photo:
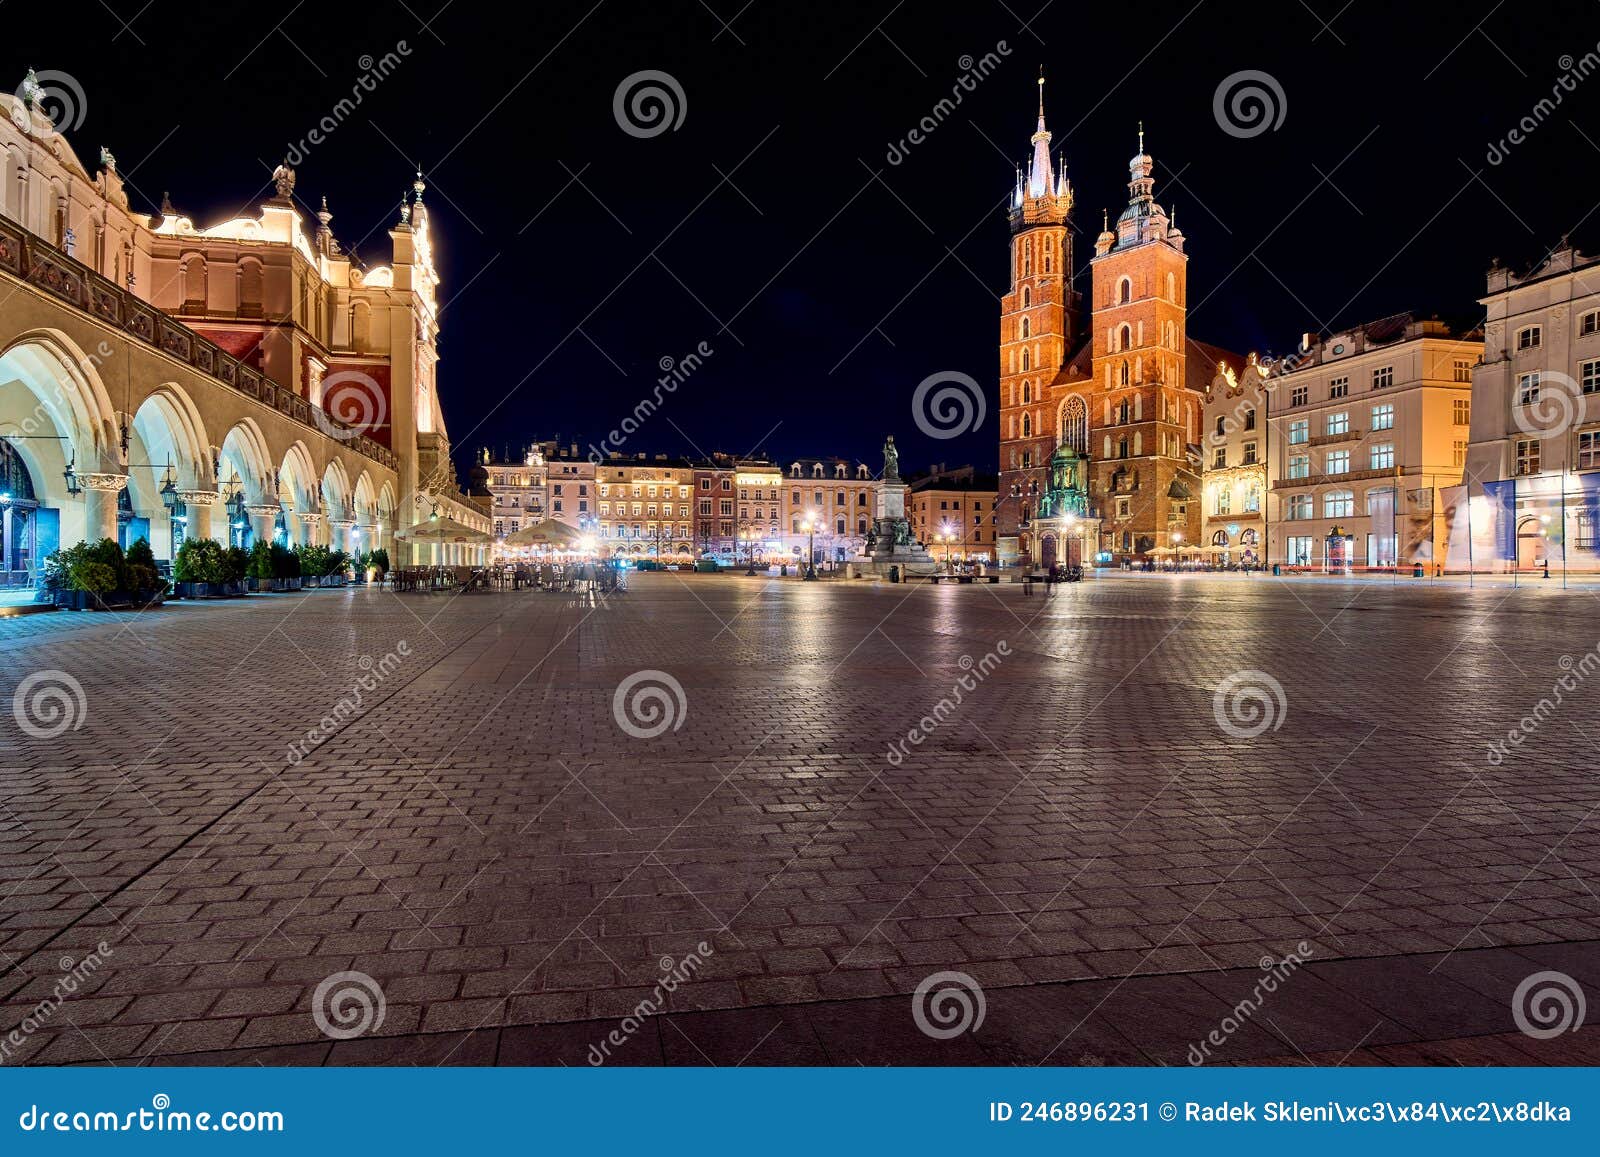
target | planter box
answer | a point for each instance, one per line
(287, 584)
(115, 600)
(208, 590)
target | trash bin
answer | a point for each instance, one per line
(1416, 570)
(1277, 569)
(783, 571)
(894, 574)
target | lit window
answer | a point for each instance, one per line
(1383, 416)
(1300, 506)
(1338, 504)
(1382, 456)
(1339, 423)
(1528, 389)
(1589, 450)
(1299, 432)
(1299, 466)
(1337, 462)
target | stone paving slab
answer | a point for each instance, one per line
(469, 826)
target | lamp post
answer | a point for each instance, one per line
(809, 525)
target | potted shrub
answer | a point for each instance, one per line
(96, 575)
(285, 568)
(236, 565)
(258, 567)
(200, 569)
(144, 579)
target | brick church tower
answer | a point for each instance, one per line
(1039, 330)
(1143, 417)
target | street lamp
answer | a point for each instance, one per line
(809, 525)
(946, 535)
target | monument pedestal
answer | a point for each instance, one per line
(890, 545)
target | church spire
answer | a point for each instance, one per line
(1041, 180)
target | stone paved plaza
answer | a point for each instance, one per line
(1084, 834)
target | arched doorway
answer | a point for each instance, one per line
(19, 521)
(1532, 543)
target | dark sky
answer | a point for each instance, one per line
(769, 223)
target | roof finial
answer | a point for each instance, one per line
(1141, 138)
(1105, 221)
(1041, 95)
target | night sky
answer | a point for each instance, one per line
(771, 225)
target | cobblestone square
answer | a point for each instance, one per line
(516, 815)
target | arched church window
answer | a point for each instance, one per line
(1027, 298)
(1125, 291)
(1025, 332)
(1124, 338)
(1027, 363)
(1124, 373)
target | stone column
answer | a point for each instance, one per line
(339, 533)
(263, 521)
(309, 522)
(100, 504)
(197, 506)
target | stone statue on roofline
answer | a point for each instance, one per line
(283, 179)
(891, 460)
